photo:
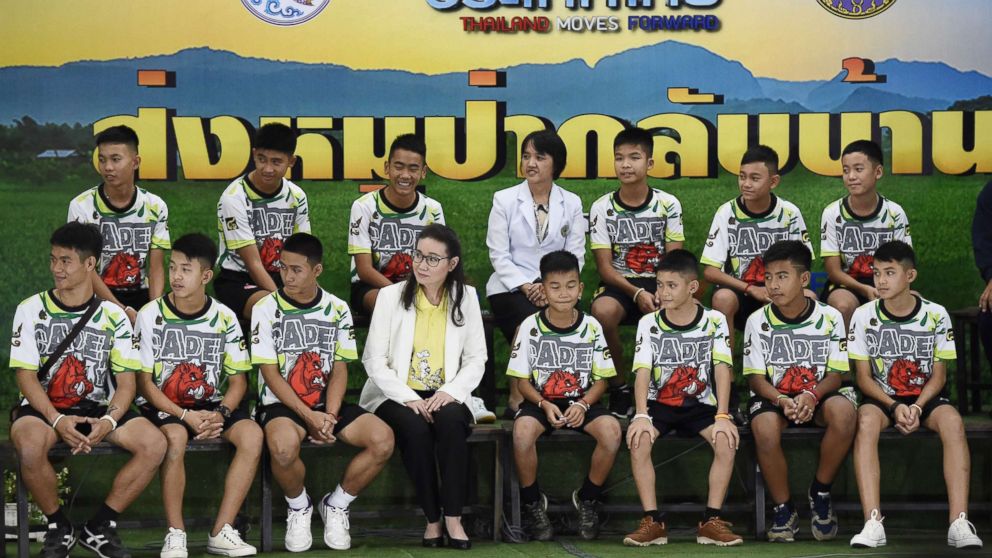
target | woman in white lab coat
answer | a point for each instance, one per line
(528, 221)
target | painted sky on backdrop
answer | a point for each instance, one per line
(808, 41)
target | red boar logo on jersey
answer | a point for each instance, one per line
(683, 383)
(561, 385)
(270, 253)
(861, 267)
(796, 379)
(187, 385)
(906, 378)
(755, 272)
(69, 385)
(307, 378)
(398, 268)
(124, 270)
(643, 258)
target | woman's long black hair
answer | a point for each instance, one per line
(454, 283)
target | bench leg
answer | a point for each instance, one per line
(961, 366)
(487, 388)
(497, 492)
(514, 484)
(22, 517)
(759, 503)
(266, 516)
(976, 369)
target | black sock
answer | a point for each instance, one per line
(589, 491)
(657, 516)
(59, 518)
(104, 514)
(530, 494)
(710, 513)
(818, 486)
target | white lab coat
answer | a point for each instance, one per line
(389, 350)
(512, 235)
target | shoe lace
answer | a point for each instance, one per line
(295, 519)
(587, 512)
(538, 517)
(337, 516)
(232, 535)
(821, 504)
(962, 524)
(109, 532)
(782, 515)
(55, 536)
(645, 525)
(719, 525)
(175, 539)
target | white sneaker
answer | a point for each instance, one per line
(480, 413)
(336, 525)
(175, 544)
(961, 534)
(298, 536)
(873, 535)
(228, 543)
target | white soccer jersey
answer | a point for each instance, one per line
(855, 239)
(636, 236)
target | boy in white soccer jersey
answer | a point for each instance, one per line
(384, 225)
(194, 360)
(742, 230)
(795, 354)
(853, 227)
(900, 344)
(302, 338)
(255, 215)
(81, 397)
(561, 363)
(684, 377)
(631, 230)
(134, 224)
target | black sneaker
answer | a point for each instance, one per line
(536, 519)
(621, 401)
(59, 540)
(102, 538)
(588, 517)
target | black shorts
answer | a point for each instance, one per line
(94, 411)
(135, 298)
(758, 405)
(938, 401)
(831, 287)
(509, 309)
(234, 289)
(528, 409)
(746, 305)
(358, 291)
(160, 419)
(631, 312)
(686, 421)
(348, 413)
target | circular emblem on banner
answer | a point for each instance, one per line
(285, 12)
(856, 9)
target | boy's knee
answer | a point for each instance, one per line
(284, 452)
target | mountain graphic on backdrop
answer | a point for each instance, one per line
(631, 84)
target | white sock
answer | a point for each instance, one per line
(340, 499)
(301, 502)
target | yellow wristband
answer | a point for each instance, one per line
(724, 416)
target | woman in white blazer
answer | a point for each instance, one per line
(425, 353)
(527, 221)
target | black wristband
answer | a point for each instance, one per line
(224, 411)
(893, 407)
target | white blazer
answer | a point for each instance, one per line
(512, 235)
(389, 350)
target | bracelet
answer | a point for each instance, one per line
(333, 416)
(183, 415)
(641, 416)
(580, 403)
(893, 407)
(111, 420)
(813, 393)
(56, 421)
(918, 408)
(539, 403)
(724, 416)
(126, 308)
(637, 293)
(778, 400)
(746, 287)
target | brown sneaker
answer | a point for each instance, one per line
(648, 532)
(717, 531)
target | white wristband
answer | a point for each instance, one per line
(642, 416)
(637, 293)
(56, 421)
(918, 408)
(183, 416)
(111, 420)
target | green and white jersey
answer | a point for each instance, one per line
(636, 236)
(389, 233)
(81, 376)
(246, 216)
(128, 234)
(682, 358)
(795, 354)
(739, 238)
(304, 341)
(902, 349)
(855, 239)
(560, 363)
(190, 355)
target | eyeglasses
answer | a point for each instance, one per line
(432, 261)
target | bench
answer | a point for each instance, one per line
(969, 360)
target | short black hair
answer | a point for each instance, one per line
(306, 245)
(680, 261)
(196, 246)
(792, 251)
(409, 142)
(871, 150)
(84, 238)
(548, 142)
(896, 251)
(277, 137)
(118, 134)
(638, 137)
(761, 154)
(559, 261)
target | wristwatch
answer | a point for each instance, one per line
(224, 411)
